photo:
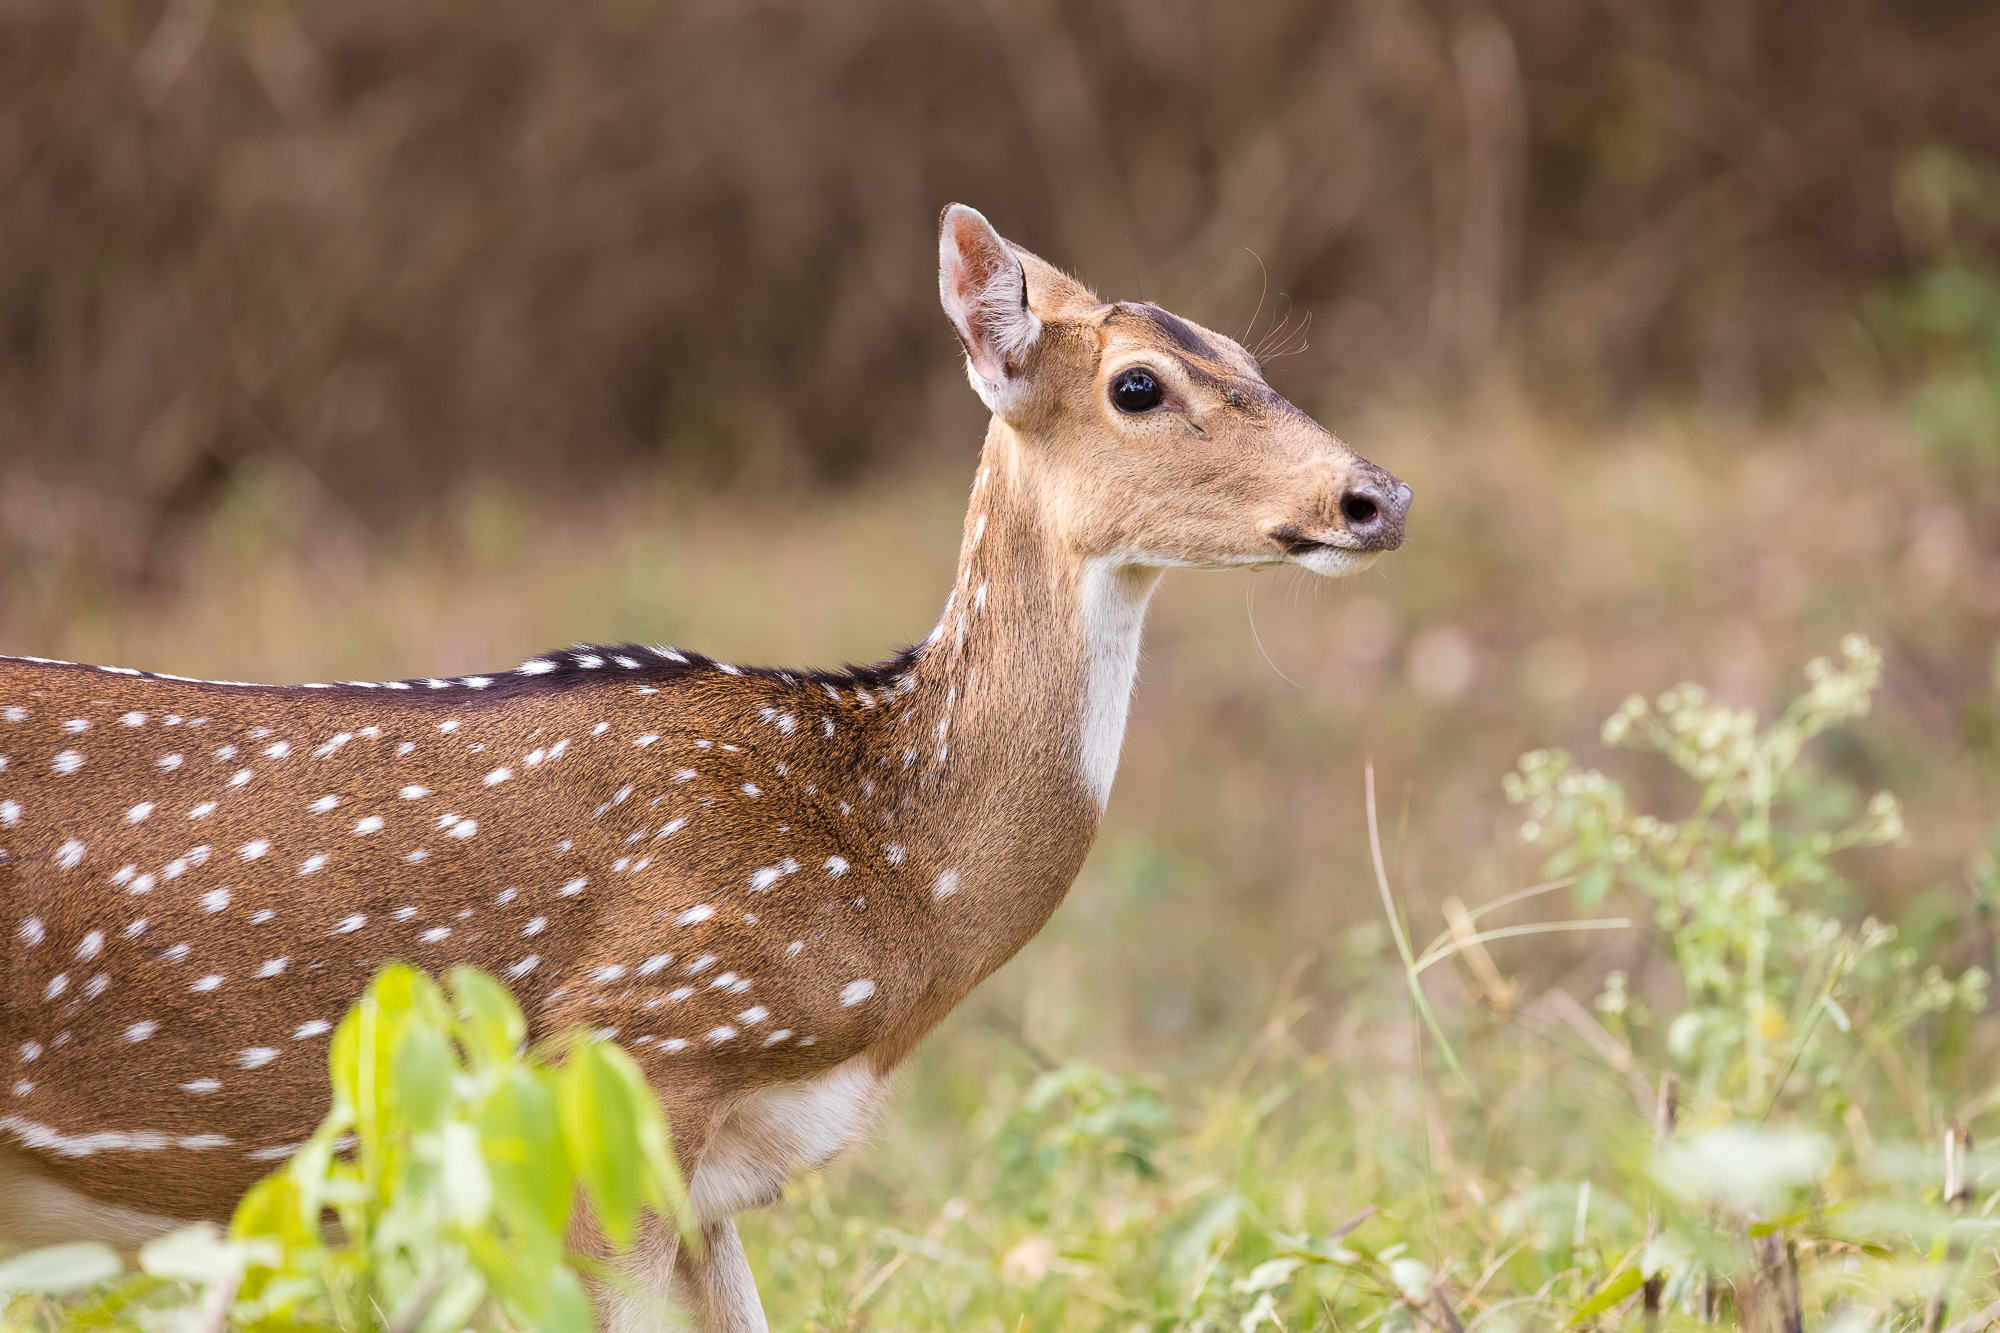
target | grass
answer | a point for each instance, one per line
(1235, 1084)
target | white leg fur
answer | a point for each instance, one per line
(718, 1291)
(713, 1294)
(35, 1210)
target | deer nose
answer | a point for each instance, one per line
(1373, 511)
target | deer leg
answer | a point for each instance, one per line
(716, 1288)
(642, 1299)
(37, 1209)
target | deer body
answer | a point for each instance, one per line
(767, 885)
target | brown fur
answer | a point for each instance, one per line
(960, 785)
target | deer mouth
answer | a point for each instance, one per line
(1296, 543)
(1335, 555)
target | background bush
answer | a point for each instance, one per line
(392, 248)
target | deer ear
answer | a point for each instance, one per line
(985, 292)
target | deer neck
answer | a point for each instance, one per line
(1007, 733)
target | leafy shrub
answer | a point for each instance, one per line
(450, 1162)
(1739, 888)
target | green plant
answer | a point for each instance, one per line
(1785, 1005)
(451, 1162)
(1741, 889)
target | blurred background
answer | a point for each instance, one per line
(404, 337)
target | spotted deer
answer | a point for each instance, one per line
(767, 885)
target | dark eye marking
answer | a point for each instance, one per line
(1180, 333)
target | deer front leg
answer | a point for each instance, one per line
(714, 1290)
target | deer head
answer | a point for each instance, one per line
(1157, 442)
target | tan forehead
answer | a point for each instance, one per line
(1206, 355)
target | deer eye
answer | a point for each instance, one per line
(1135, 391)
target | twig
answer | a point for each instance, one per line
(426, 1296)
(1402, 937)
(1665, 1113)
(1564, 1006)
(1973, 1323)
(1958, 1194)
(874, 1284)
(1443, 1304)
(215, 1304)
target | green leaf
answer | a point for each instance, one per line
(455, 1304)
(490, 1022)
(267, 1208)
(462, 1176)
(200, 1254)
(1609, 1295)
(1750, 1167)
(662, 1186)
(560, 1306)
(1271, 1273)
(521, 1137)
(1413, 1278)
(55, 1269)
(598, 1123)
(425, 1063)
(370, 1035)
